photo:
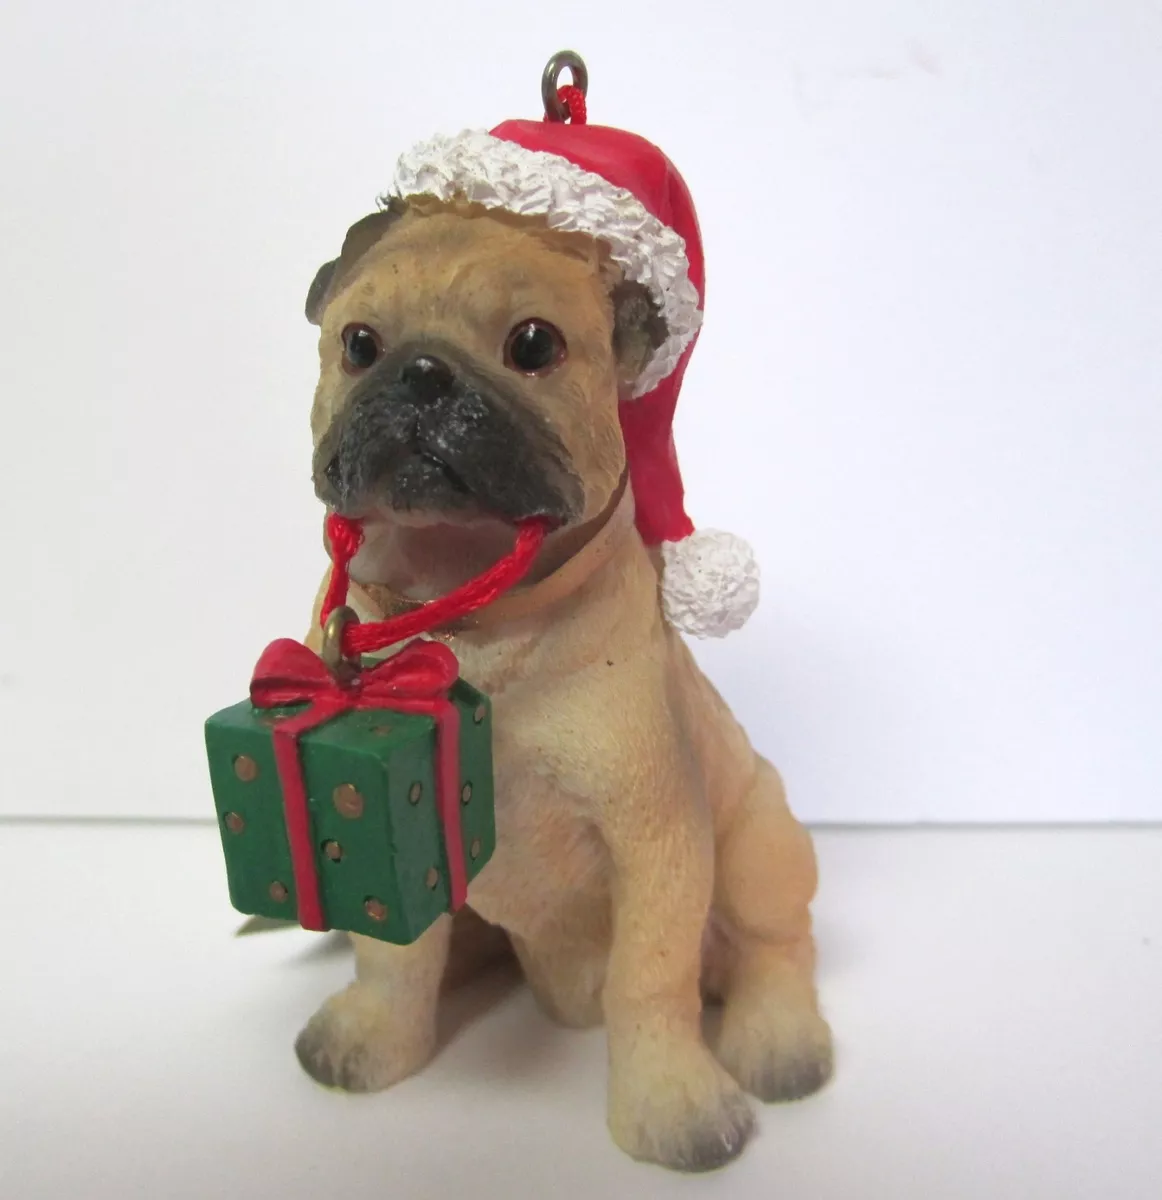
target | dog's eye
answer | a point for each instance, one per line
(534, 348)
(361, 347)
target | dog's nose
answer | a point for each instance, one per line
(428, 377)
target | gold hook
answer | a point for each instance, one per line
(331, 652)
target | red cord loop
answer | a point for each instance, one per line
(345, 536)
(573, 98)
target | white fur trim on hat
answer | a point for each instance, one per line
(710, 583)
(486, 170)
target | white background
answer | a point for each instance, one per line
(929, 387)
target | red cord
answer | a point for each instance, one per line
(573, 98)
(345, 536)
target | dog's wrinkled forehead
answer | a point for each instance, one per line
(468, 280)
(423, 260)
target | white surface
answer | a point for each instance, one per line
(995, 998)
(927, 392)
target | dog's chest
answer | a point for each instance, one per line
(549, 856)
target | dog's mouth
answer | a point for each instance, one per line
(421, 555)
(441, 466)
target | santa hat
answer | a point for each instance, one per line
(622, 190)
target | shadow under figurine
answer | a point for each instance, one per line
(505, 341)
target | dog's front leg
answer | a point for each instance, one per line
(382, 1027)
(669, 1100)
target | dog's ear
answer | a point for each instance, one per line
(360, 238)
(317, 292)
(638, 329)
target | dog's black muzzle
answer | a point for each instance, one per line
(425, 432)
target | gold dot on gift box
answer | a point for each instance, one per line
(347, 800)
(245, 768)
(278, 891)
(480, 713)
(234, 822)
(432, 877)
(415, 792)
(375, 909)
(466, 793)
(475, 848)
(333, 851)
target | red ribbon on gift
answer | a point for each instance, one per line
(416, 680)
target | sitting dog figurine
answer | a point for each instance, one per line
(505, 340)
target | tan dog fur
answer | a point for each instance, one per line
(646, 855)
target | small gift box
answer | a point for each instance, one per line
(362, 804)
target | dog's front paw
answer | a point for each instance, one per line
(778, 1051)
(357, 1042)
(673, 1104)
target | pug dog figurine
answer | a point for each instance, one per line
(505, 339)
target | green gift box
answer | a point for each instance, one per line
(364, 806)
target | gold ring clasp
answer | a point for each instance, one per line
(343, 668)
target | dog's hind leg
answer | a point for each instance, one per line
(382, 1027)
(772, 1040)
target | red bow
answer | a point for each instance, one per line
(289, 673)
(415, 680)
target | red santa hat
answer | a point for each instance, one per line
(621, 189)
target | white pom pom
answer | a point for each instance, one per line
(710, 584)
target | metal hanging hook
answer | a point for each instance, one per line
(555, 110)
(344, 669)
